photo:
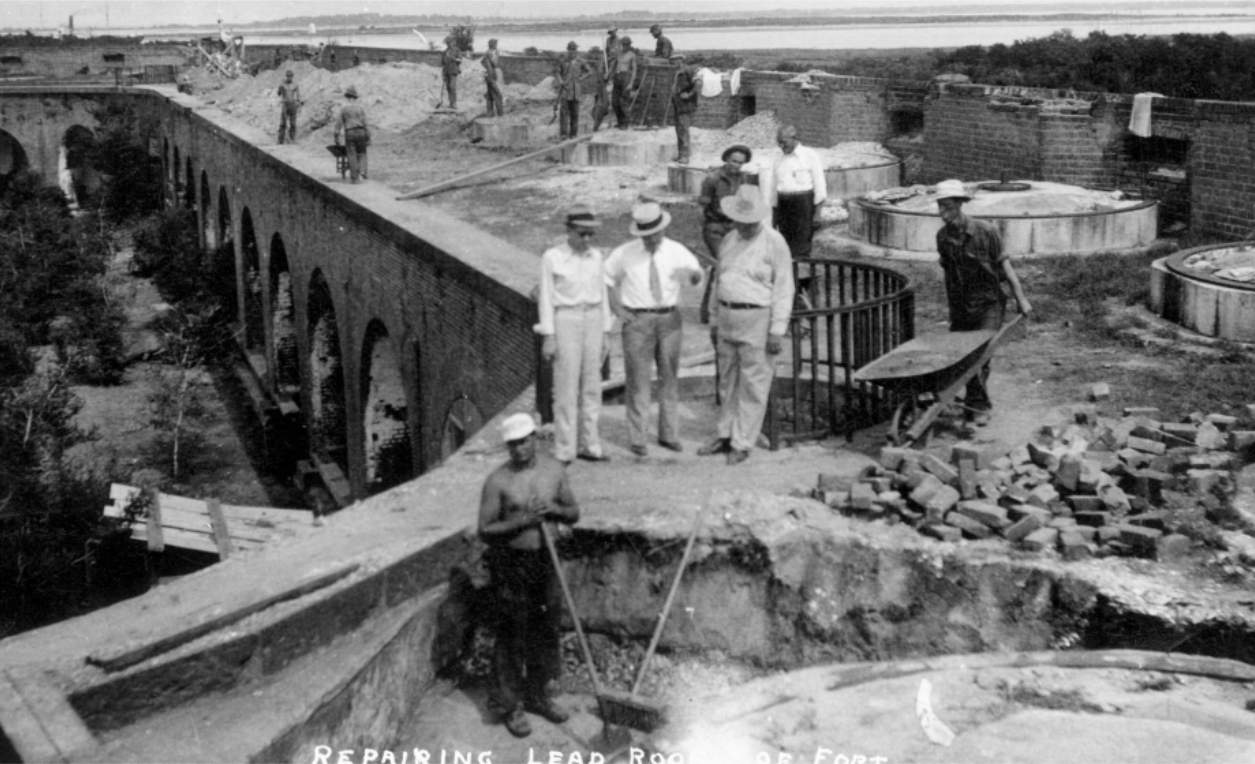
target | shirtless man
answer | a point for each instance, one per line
(518, 496)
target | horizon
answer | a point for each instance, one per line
(151, 14)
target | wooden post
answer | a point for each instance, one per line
(444, 184)
(219, 524)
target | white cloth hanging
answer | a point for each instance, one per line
(735, 82)
(712, 82)
(1139, 120)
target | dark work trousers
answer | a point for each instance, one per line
(451, 87)
(527, 652)
(569, 118)
(682, 124)
(287, 122)
(355, 143)
(492, 94)
(620, 100)
(601, 106)
(795, 220)
(990, 318)
(712, 234)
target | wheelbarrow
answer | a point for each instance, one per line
(927, 374)
(342, 158)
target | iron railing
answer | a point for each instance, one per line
(851, 314)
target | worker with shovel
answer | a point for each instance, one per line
(528, 490)
(352, 122)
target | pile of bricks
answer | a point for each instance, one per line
(1094, 488)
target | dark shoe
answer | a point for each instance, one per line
(518, 724)
(639, 450)
(589, 456)
(736, 457)
(548, 710)
(716, 446)
(672, 445)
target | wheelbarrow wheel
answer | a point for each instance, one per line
(904, 417)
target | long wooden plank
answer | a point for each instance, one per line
(121, 494)
(177, 537)
(62, 725)
(120, 658)
(442, 185)
(219, 524)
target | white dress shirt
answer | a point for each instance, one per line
(627, 269)
(756, 271)
(795, 172)
(570, 279)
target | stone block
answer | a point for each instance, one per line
(1092, 518)
(1240, 440)
(967, 479)
(942, 470)
(1132, 457)
(1146, 446)
(834, 483)
(1250, 411)
(1041, 539)
(1140, 540)
(1019, 455)
(1073, 546)
(1085, 415)
(1147, 432)
(1069, 473)
(1209, 437)
(942, 532)
(1114, 498)
(1017, 512)
(1043, 495)
(985, 512)
(1061, 523)
(1173, 547)
(1099, 391)
(1153, 519)
(862, 497)
(1108, 533)
(1022, 528)
(1216, 460)
(1016, 494)
(879, 484)
(1043, 457)
(1222, 421)
(941, 449)
(1086, 532)
(1150, 412)
(891, 457)
(1104, 459)
(1202, 481)
(934, 496)
(969, 526)
(1182, 430)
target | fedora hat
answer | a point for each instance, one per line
(572, 45)
(350, 92)
(743, 149)
(746, 206)
(580, 216)
(648, 218)
(517, 427)
(951, 189)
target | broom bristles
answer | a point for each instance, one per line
(628, 710)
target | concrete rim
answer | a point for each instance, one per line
(1176, 264)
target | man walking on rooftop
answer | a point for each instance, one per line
(352, 123)
(290, 96)
(492, 80)
(450, 68)
(624, 83)
(572, 71)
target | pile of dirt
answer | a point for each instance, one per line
(396, 95)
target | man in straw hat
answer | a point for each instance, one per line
(352, 122)
(645, 275)
(518, 496)
(975, 270)
(575, 320)
(719, 183)
(750, 314)
(572, 71)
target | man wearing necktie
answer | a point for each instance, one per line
(645, 277)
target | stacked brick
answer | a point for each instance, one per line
(1094, 488)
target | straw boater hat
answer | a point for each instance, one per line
(517, 427)
(350, 92)
(648, 218)
(952, 189)
(580, 216)
(741, 148)
(572, 45)
(747, 206)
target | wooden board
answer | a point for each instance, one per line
(924, 355)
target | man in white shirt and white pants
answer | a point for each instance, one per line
(795, 187)
(575, 320)
(645, 275)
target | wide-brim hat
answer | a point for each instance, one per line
(951, 189)
(740, 148)
(625, 41)
(350, 92)
(612, 30)
(517, 427)
(648, 218)
(572, 45)
(580, 216)
(746, 205)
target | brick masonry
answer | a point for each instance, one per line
(529, 70)
(62, 62)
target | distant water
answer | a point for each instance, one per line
(822, 37)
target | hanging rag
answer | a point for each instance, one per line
(712, 82)
(735, 82)
(1139, 120)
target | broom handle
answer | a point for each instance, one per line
(675, 586)
(570, 604)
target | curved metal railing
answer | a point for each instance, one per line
(852, 314)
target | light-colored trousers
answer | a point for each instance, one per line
(745, 374)
(650, 337)
(578, 335)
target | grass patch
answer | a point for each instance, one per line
(1077, 288)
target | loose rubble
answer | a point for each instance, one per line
(1136, 486)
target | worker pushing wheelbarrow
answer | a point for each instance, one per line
(979, 277)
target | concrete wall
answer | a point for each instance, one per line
(529, 70)
(70, 61)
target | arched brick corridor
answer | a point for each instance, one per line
(13, 157)
(77, 178)
(286, 359)
(209, 238)
(223, 266)
(189, 186)
(176, 187)
(253, 316)
(389, 455)
(326, 376)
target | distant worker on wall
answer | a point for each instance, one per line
(718, 183)
(518, 496)
(572, 70)
(492, 80)
(975, 270)
(624, 83)
(794, 188)
(352, 123)
(575, 322)
(605, 77)
(450, 68)
(753, 302)
(663, 47)
(289, 107)
(684, 102)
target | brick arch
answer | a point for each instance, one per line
(388, 450)
(176, 187)
(76, 175)
(252, 315)
(285, 356)
(189, 184)
(223, 256)
(13, 158)
(327, 400)
(208, 239)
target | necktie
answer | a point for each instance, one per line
(655, 281)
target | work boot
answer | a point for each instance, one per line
(736, 457)
(516, 721)
(716, 446)
(547, 709)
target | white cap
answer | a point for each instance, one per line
(517, 427)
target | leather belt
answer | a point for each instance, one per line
(652, 310)
(742, 305)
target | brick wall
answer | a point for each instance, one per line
(529, 70)
(1222, 169)
(969, 136)
(71, 61)
(832, 109)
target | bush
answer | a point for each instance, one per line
(463, 36)
(166, 238)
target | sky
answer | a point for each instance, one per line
(102, 14)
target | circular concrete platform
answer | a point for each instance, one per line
(843, 182)
(1198, 300)
(1075, 220)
